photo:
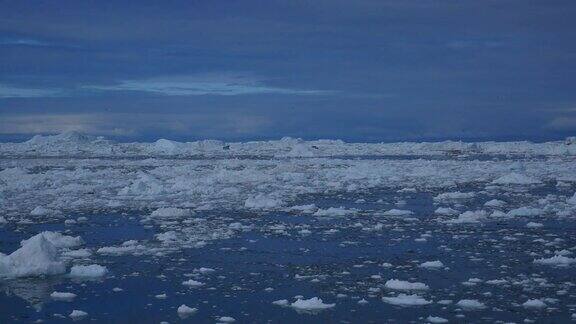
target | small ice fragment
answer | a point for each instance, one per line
(78, 314)
(396, 284)
(432, 265)
(406, 300)
(65, 296)
(192, 283)
(470, 304)
(88, 271)
(185, 310)
(534, 304)
(312, 304)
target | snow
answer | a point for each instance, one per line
(37, 256)
(88, 271)
(406, 300)
(470, 304)
(516, 179)
(312, 304)
(396, 284)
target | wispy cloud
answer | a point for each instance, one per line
(24, 42)
(562, 123)
(219, 85)
(18, 92)
(233, 124)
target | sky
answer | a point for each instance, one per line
(357, 70)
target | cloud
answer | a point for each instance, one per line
(17, 92)
(197, 85)
(58, 123)
(189, 125)
(24, 42)
(563, 123)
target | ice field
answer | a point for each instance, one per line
(287, 231)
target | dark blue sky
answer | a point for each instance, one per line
(360, 70)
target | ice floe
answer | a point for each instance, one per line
(88, 271)
(406, 300)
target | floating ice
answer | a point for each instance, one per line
(396, 284)
(468, 217)
(312, 304)
(557, 260)
(436, 319)
(192, 283)
(170, 212)
(524, 211)
(496, 203)
(78, 314)
(334, 211)
(432, 265)
(516, 179)
(262, 202)
(37, 256)
(397, 212)
(534, 304)
(41, 211)
(470, 304)
(446, 211)
(572, 200)
(226, 319)
(65, 296)
(281, 302)
(304, 208)
(534, 225)
(406, 300)
(457, 195)
(61, 241)
(299, 150)
(88, 271)
(186, 310)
